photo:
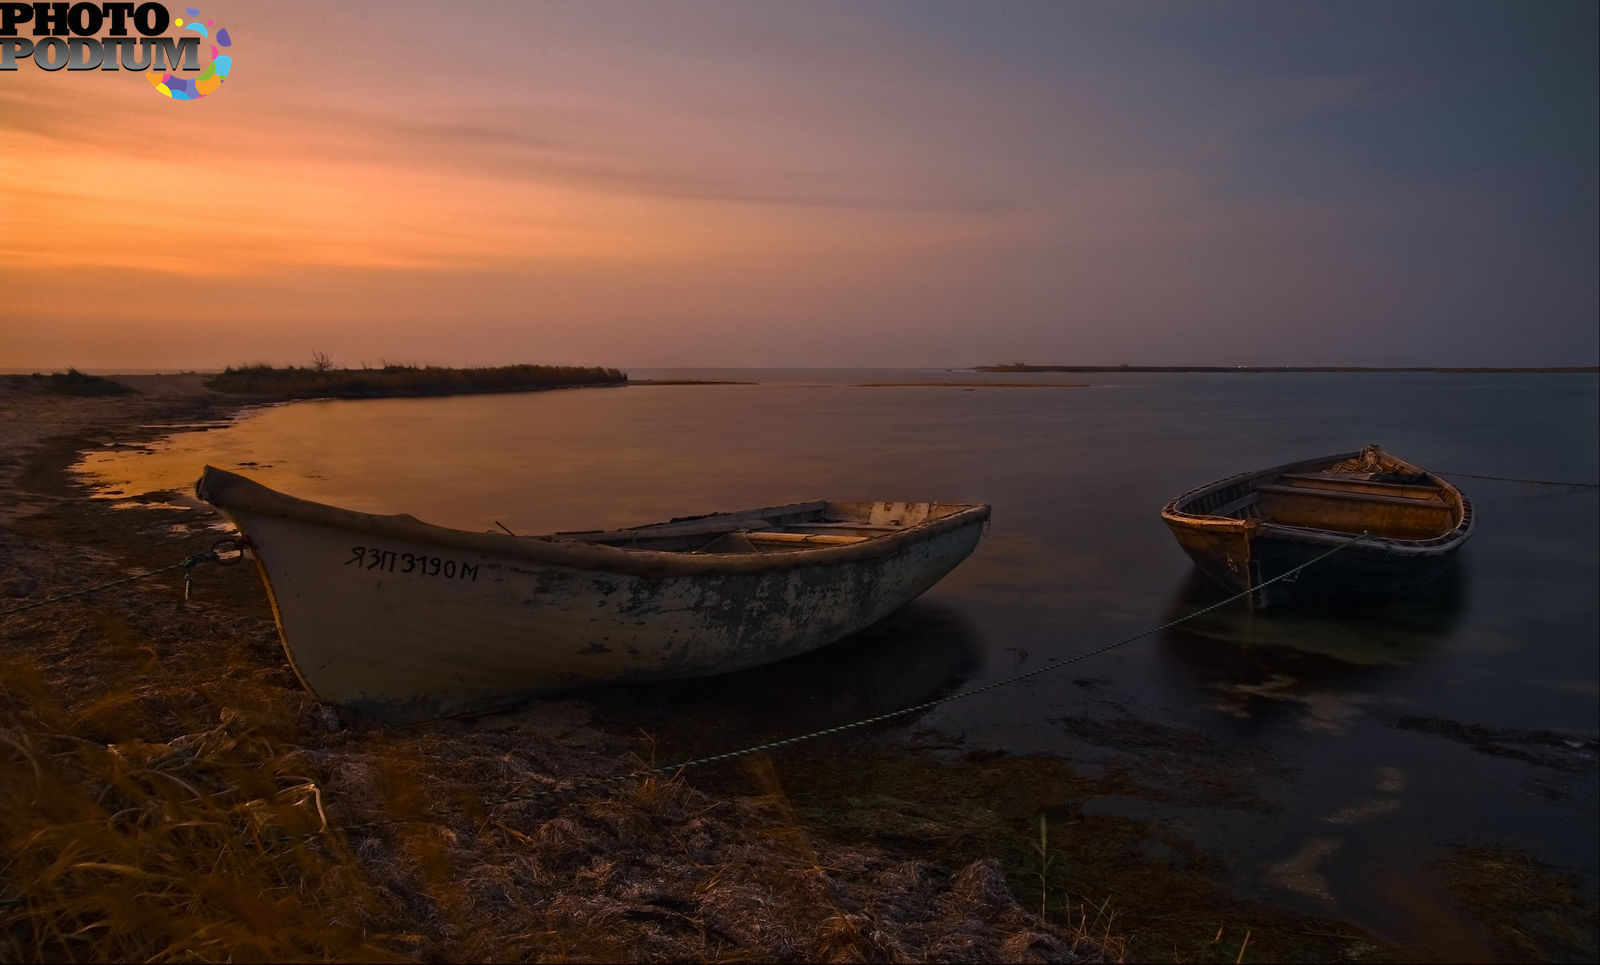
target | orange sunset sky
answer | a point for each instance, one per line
(838, 184)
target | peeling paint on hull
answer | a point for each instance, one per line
(409, 620)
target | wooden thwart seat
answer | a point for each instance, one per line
(1376, 487)
(826, 539)
(1351, 496)
(1406, 517)
(850, 525)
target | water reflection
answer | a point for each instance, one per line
(919, 653)
(1296, 707)
(1359, 633)
(1316, 666)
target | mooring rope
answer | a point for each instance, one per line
(1532, 482)
(187, 565)
(916, 708)
(215, 554)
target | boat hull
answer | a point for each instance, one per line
(1241, 531)
(376, 616)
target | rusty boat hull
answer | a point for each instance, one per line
(406, 620)
(1252, 527)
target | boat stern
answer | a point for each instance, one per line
(1221, 548)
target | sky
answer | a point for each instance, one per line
(861, 183)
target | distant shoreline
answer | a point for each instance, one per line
(322, 381)
(969, 385)
(689, 382)
(1444, 370)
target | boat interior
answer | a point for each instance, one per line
(1413, 507)
(776, 529)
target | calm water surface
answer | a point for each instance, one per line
(1339, 713)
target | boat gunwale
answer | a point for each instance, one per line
(230, 491)
(1175, 516)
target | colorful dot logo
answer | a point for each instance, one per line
(209, 79)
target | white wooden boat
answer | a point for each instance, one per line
(1249, 528)
(406, 620)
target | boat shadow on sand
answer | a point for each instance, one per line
(921, 652)
(1318, 653)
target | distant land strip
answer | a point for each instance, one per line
(1448, 370)
(690, 382)
(320, 381)
(970, 385)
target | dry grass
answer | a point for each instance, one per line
(168, 791)
(171, 794)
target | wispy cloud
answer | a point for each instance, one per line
(1037, 179)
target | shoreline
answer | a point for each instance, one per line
(740, 872)
(1260, 369)
(719, 862)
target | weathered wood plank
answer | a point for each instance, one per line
(828, 539)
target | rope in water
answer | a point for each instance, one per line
(925, 705)
(217, 551)
(216, 554)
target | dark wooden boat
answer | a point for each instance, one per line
(1249, 528)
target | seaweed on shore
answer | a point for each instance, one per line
(1554, 749)
(198, 805)
(1528, 908)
